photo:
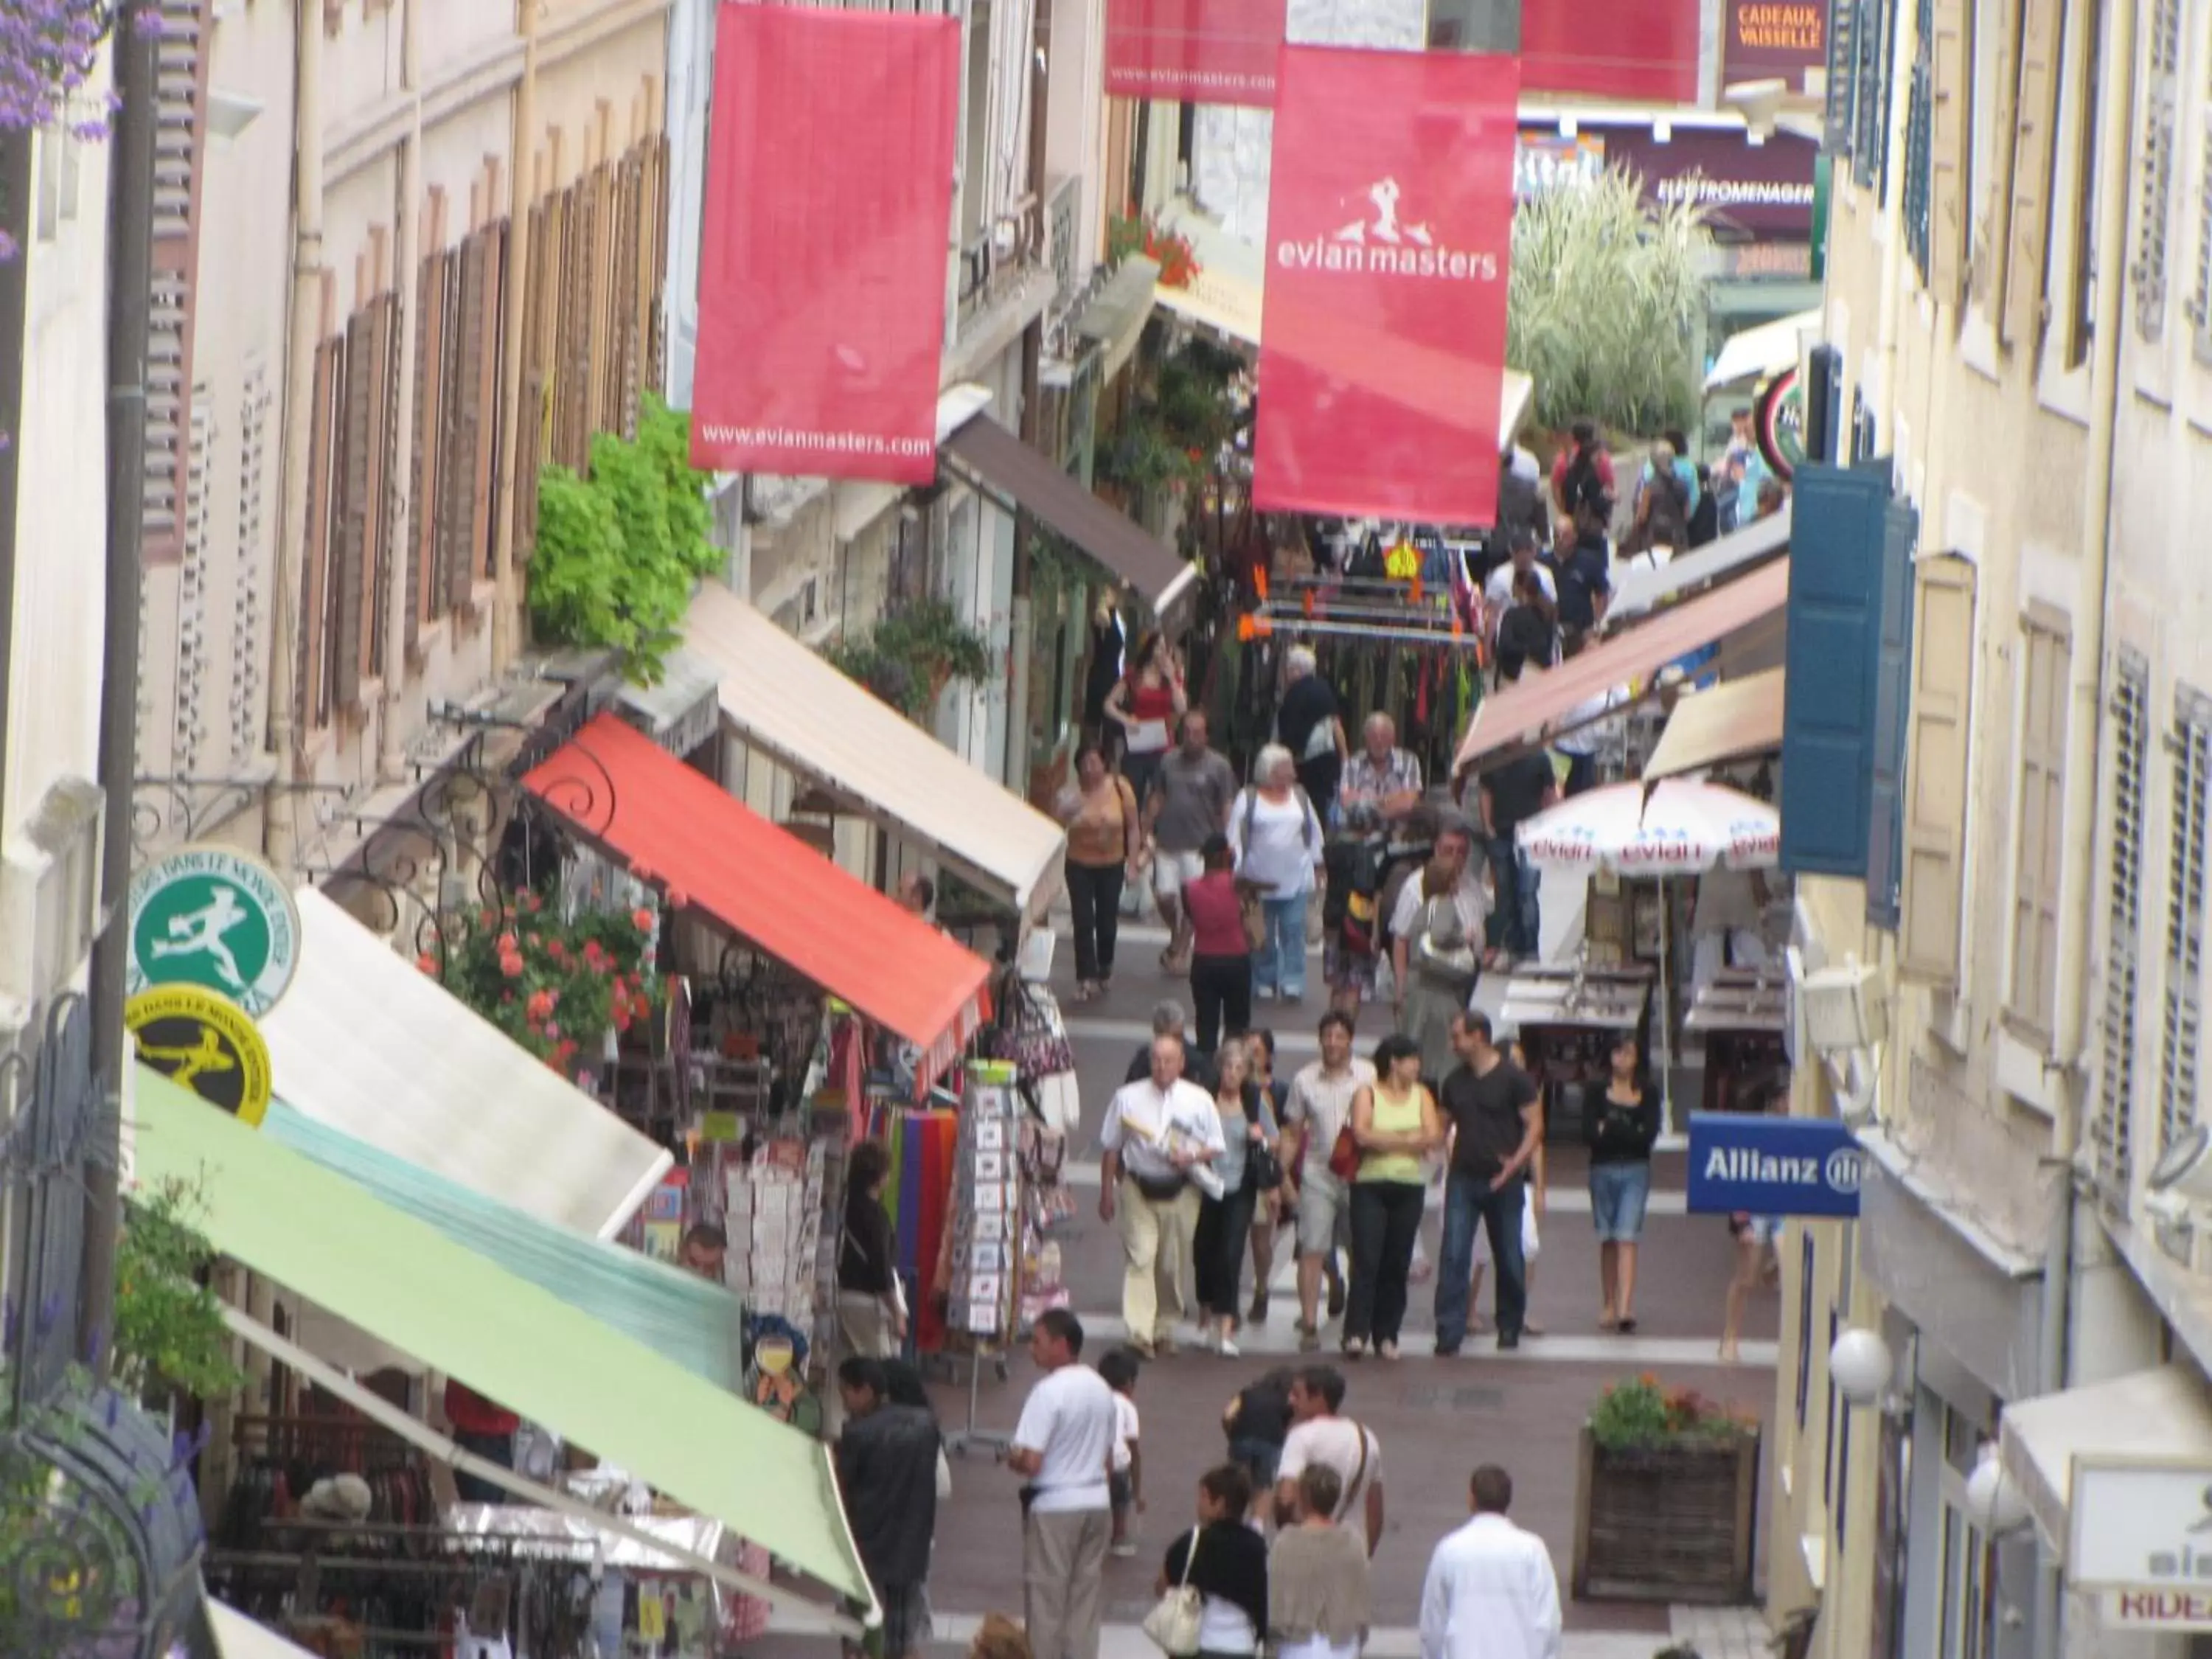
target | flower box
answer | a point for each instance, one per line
(1672, 1521)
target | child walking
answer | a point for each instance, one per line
(1124, 1469)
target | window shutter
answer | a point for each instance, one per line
(491, 304)
(357, 479)
(1951, 92)
(1837, 544)
(2200, 299)
(1919, 133)
(1937, 782)
(1870, 100)
(425, 596)
(1892, 701)
(2113, 1131)
(2045, 655)
(180, 72)
(1842, 78)
(2161, 102)
(314, 707)
(2033, 148)
(1989, 213)
(2191, 748)
(458, 506)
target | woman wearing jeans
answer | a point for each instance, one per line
(1397, 1124)
(1221, 956)
(1105, 835)
(1279, 844)
(1247, 1123)
(1620, 1126)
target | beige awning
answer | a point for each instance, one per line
(1646, 588)
(1727, 722)
(2158, 1415)
(237, 1636)
(780, 698)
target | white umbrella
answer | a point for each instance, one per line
(1674, 828)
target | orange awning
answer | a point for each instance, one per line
(675, 828)
(1531, 710)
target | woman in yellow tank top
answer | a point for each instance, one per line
(1397, 1124)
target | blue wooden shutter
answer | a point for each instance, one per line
(1837, 542)
(1843, 76)
(1892, 714)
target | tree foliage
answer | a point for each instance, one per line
(1604, 305)
(909, 657)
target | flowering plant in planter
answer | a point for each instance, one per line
(1135, 233)
(556, 987)
(1638, 1415)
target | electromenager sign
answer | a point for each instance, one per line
(1743, 1163)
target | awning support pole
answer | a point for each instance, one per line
(812, 1615)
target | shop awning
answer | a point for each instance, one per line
(368, 1044)
(405, 1283)
(237, 1636)
(2158, 1415)
(1002, 465)
(677, 1314)
(1115, 315)
(676, 828)
(1759, 352)
(1531, 710)
(782, 698)
(1727, 722)
(1644, 590)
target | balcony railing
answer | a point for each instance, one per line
(997, 260)
(1063, 201)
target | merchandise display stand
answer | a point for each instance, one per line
(984, 1246)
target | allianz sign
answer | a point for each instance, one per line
(1772, 1166)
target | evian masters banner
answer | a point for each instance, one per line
(821, 258)
(1195, 51)
(1390, 224)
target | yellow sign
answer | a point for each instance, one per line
(204, 1043)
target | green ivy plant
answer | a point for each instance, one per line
(909, 657)
(620, 547)
(169, 1329)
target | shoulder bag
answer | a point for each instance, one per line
(1173, 1622)
(1359, 1486)
(1442, 952)
(1344, 1157)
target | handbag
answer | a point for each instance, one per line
(1442, 954)
(1173, 1622)
(1344, 1157)
(1263, 1170)
(1254, 918)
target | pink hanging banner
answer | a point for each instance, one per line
(1195, 52)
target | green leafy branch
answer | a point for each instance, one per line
(909, 657)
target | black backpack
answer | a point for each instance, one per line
(1582, 486)
(1668, 523)
(1705, 517)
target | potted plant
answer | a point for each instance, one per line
(1667, 1499)
(555, 987)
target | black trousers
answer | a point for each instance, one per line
(1221, 997)
(1094, 900)
(1386, 1219)
(1217, 1248)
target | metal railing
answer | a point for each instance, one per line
(995, 261)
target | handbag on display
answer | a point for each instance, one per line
(1173, 1622)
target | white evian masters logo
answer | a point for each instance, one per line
(1382, 242)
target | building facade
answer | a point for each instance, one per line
(2016, 362)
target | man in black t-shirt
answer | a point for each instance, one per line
(1497, 1121)
(1511, 795)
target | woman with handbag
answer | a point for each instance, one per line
(1436, 942)
(1105, 843)
(1246, 1168)
(1221, 946)
(1279, 850)
(1213, 1585)
(1146, 705)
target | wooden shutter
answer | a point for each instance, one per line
(1991, 211)
(2045, 657)
(1920, 136)
(180, 57)
(2033, 149)
(2154, 209)
(1838, 120)
(1951, 123)
(314, 708)
(491, 315)
(348, 622)
(1936, 781)
(2191, 750)
(2113, 1132)
(1892, 701)
(458, 490)
(433, 382)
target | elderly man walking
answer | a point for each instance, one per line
(1159, 1137)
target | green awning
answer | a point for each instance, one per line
(679, 1315)
(408, 1285)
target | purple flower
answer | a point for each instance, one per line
(48, 50)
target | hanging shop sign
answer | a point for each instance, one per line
(1195, 52)
(2141, 1527)
(1763, 190)
(2157, 1610)
(218, 919)
(1778, 417)
(822, 259)
(1744, 1163)
(1544, 161)
(1644, 51)
(1771, 40)
(1391, 226)
(203, 1043)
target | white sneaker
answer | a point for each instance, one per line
(1229, 1350)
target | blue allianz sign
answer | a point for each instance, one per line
(1773, 1165)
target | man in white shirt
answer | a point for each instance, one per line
(1318, 1435)
(1498, 591)
(1062, 1446)
(1160, 1135)
(1491, 1592)
(1319, 1107)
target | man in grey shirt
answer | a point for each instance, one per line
(1189, 801)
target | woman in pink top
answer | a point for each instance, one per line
(1221, 956)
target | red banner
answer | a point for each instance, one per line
(1389, 226)
(1643, 50)
(1195, 51)
(822, 256)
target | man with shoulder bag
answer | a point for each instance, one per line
(1159, 1136)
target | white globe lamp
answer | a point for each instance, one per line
(1995, 1502)
(1860, 1365)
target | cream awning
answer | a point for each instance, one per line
(2158, 1415)
(780, 698)
(238, 1637)
(1756, 353)
(368, 1044)
(1728, 722)
(1645, 587)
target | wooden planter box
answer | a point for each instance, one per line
(1668, 1523)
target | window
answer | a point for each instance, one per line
(1874, 41)
(2192, 749)
(2200, 300)
(2161, 95)
(2046, 653)
(2113, 1130)
(2023, 274)
(1936, 776)
(2082, 99)
(1920, 136)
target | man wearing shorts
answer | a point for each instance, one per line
(1189, 805)
(1318, 1108)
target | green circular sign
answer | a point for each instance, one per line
(218, 919)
